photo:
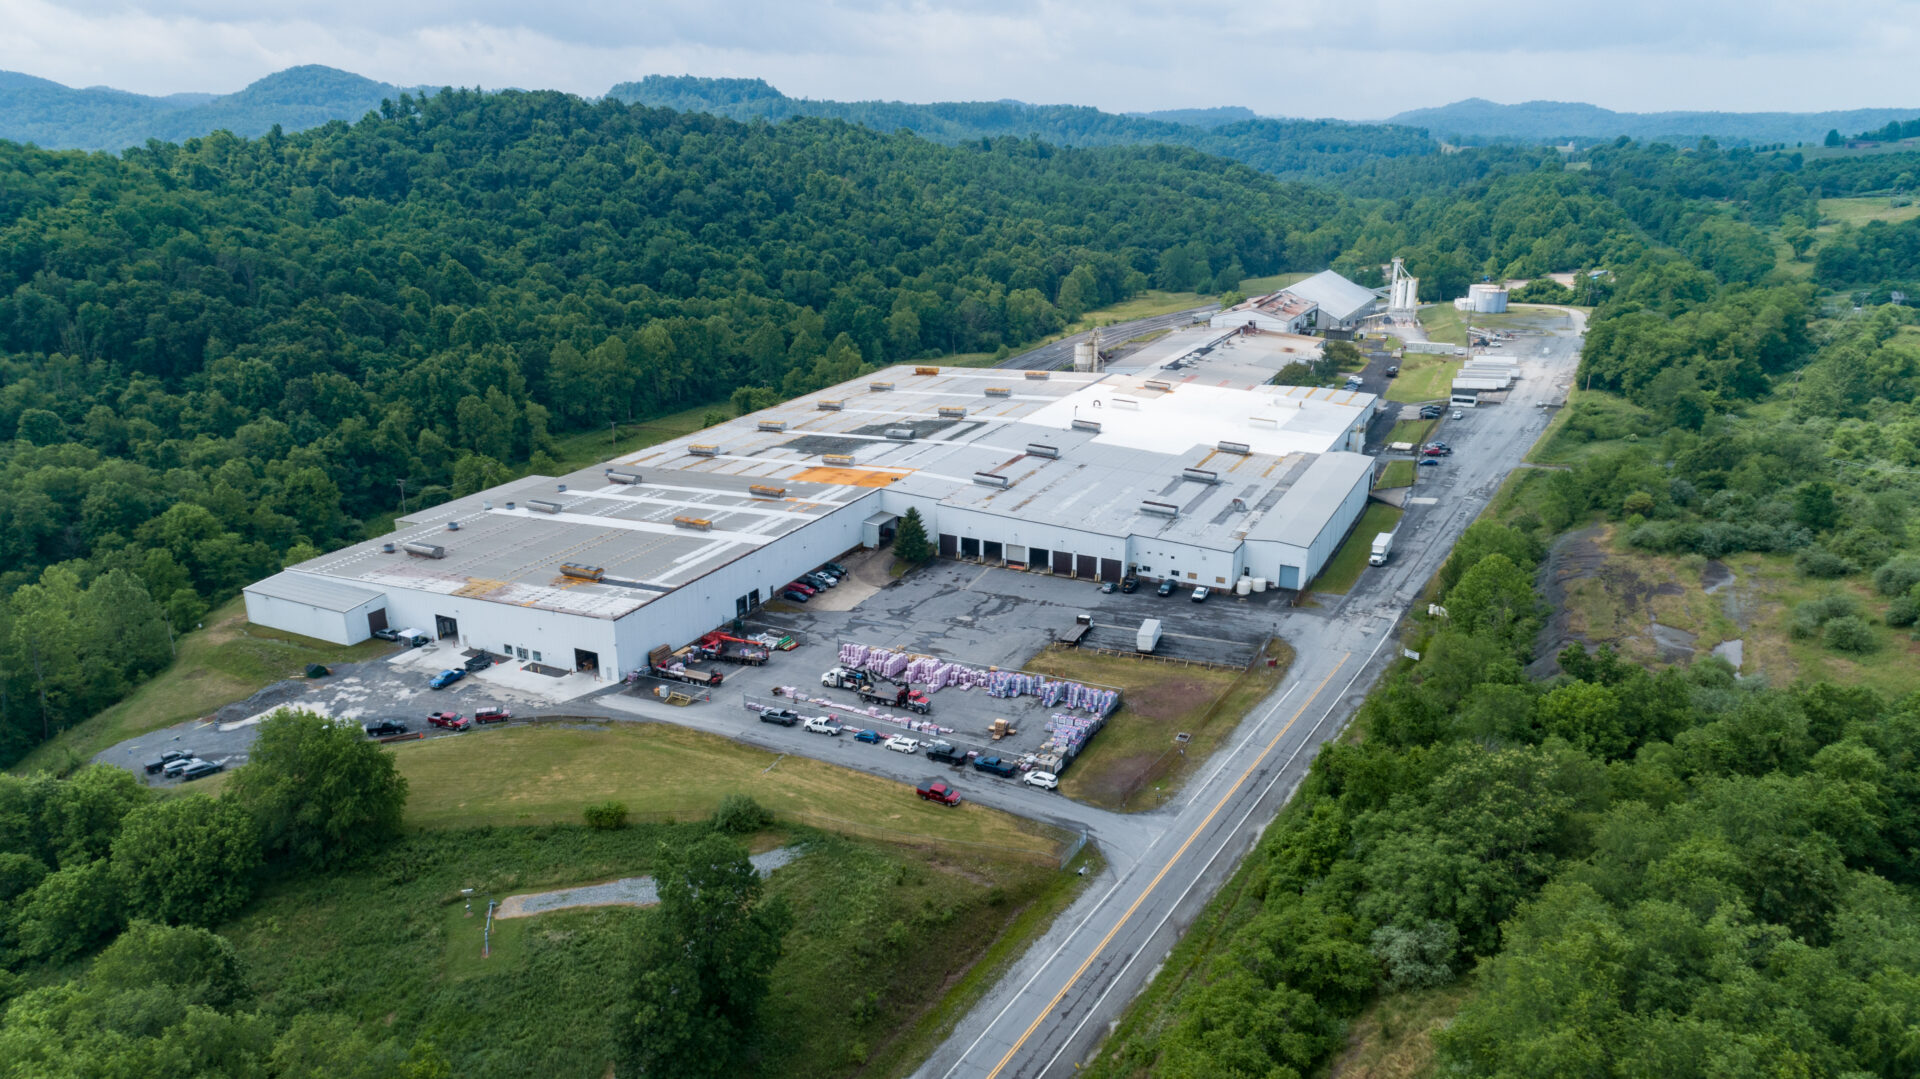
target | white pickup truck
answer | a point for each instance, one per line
(823, 725)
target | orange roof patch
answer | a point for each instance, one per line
(848, 477)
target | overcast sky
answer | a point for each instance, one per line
(1355, 59)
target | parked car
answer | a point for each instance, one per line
(166, 758)
(795, 595)
(802, 586)
(1002, 768)
(1108, 587)
(1459, 415)
(479, 663)
(177, 765)
(1392, 371)
(836, 569)
(1201, 593)
(452, 721)
(1043, 780)
(871, 737)
(946, 753)
(446, 678)
(492, 713)
(1429, 462)
(786, 717)
(387, 634)
(900, 743)
(200, 769)
(1434, 451)
(380, 728)
(1166, 587)
(1431, 412)
(939, 792)
(1129, 583)
(823, 725)
(820, 582)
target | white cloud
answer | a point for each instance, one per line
(1349, 58)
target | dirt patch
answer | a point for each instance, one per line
(1714, 576)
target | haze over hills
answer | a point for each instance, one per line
(1536, 121)
(58, 117)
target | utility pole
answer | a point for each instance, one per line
(402, 483)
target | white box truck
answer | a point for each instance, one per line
(1149, 636)
(1382, 549)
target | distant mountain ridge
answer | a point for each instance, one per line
(1544, 121)
(1290, 148)
(58, 117)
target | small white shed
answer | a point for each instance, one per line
(319, 607)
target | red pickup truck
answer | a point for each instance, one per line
(940, 792)
(453, 721)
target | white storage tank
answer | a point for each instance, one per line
(1259, 584)
(1243, 586)
(1486, 299)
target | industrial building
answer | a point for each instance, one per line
(1182, 473)
(1325, 301)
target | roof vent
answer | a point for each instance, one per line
(563, 487)
(879, 387)
(829, 406)
(1163, 509)
(487, 505)
(426, 550)
(1125, 402)
(837, 458)
(926, 370)
(1157, 384)
(704, 450)
(760, 491)
(581, 573)
(999, 391)
(1087, 425)
(622, 477)
(387, 547)
(900, 434)
(952, 412)
(509, 505)
(1234, 447)
(453, 526)
(775, 426)
(541, 505)
(699, 524)
(1038, 376)
(1200, 475)
(1041, 449)
(991, 479)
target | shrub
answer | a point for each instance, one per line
(741, 815)
(1820, 562)
(1898, 576)
(1903, 611)
(606, 816)
(1849, 633)
(1640, 502)
(1811, 617)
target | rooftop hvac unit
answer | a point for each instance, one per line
(902, 434)
(952, 412)
(581, 573)
(541, 505)
(1041, 449)
(563, 488)
(1087, 425)
(926, 370)
(1038, 376)
(704, 450)
(775, 426)
(1156, 384)
(829, 406)
(999, 391)
(1200, 475)
(387, 547)
(1240, 448)
(622, 477)
(453, 526)
(1162, 509)
(837, 458)
(879, 387)
(698, 524)
(425, 550)
(991, 479)
(509, 505)
(761, 491)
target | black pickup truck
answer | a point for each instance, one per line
(946, 753)
(1003, 769)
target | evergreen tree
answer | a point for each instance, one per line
(910, 540)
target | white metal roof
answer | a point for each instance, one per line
(320, 592)
(1304, 510)
(1337, 296)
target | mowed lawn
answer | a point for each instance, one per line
(1414, 431)
(1346, 565)
(1422, 378)
(1134, 764)
(545, 773)
(1859, 211)
(1397, 474)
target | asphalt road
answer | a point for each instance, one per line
(1049, 1013)
(1059, 354)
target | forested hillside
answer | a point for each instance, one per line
(1540, 121)
(58, 117)
(1287, 148)
(222, 355)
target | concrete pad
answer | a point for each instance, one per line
(539, 687)
(867, 573)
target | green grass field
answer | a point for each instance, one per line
(1422, 378)
(546, 773)
(889, 945)
(1442, 323)
(1859, 211)
(1133, 764)
(1346, 565)
(1414, 431)
(1398, 473)
(1260, 286)
(228, 661)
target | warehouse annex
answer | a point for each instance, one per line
(1165, 474)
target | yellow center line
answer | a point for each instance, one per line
(1171, 862)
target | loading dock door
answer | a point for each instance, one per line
(1040, 558)
(376, 620)
(1290, 576)
(1086, 566)
(992, 551)
(1110, 569)
(969, 548)
(1063, 563)
(445, 627)
(584, 660)
(949, 545)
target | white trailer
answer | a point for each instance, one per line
(1382, 549)
(1148, 637)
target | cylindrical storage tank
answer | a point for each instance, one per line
(1242, 586)
(1259, 584)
